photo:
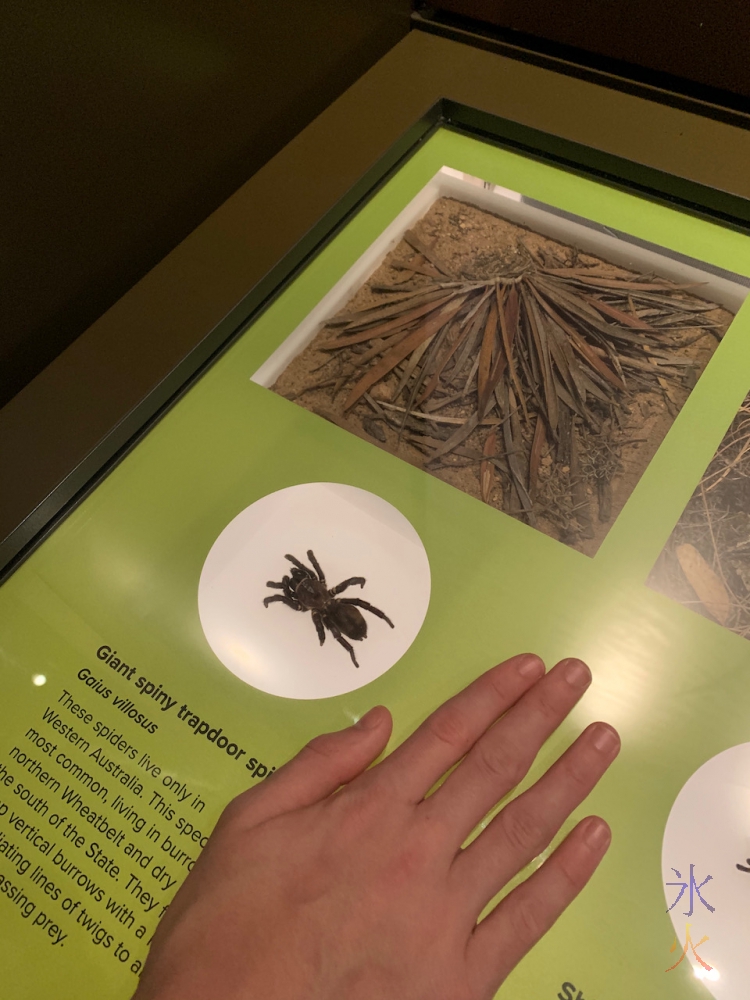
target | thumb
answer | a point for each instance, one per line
(321, 767)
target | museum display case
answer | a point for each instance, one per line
(469, 367)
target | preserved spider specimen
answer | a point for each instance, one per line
(306, 590)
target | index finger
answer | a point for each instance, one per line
(453, 729)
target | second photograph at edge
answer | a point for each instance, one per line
(705, 563)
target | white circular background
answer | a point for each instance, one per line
(709, 827)
(352, 533)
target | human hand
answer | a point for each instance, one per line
(308, 890)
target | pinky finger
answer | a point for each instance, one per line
(502, 939)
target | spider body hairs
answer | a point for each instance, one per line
(306, 589)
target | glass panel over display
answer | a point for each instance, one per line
(467, 429)
(531, 358)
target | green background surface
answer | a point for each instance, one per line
(123, 569)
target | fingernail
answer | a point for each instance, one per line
(605, 738)
(530, 666)
(369, 720)
(596, 834)
(577, 674)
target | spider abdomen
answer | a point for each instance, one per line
(349, 619)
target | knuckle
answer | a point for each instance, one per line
(529, 921)
(325, 745)
(407, 865)
(570, 880)
(365, 796)
(357, 815)
(353, 817)
(524, 832)
(493, 762)
(235, 812)
(575, 775)
(498, 682)
(547, 706)
(500, 762)
(448, 727)
(376, 788)
(231, 813)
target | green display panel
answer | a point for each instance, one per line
(145, 684)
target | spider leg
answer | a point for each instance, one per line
(368, 607)
(347, 583)
(318, 623)
(316, 565)
(278, 586)
(340, 639)
(284, 600)
(305, 569)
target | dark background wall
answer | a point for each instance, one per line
(124, 123)
(700, 42)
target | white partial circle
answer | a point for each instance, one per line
(352, 533)
(709, 827)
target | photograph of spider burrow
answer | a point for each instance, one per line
(306, 589)
(705, 564)
(531, 375)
